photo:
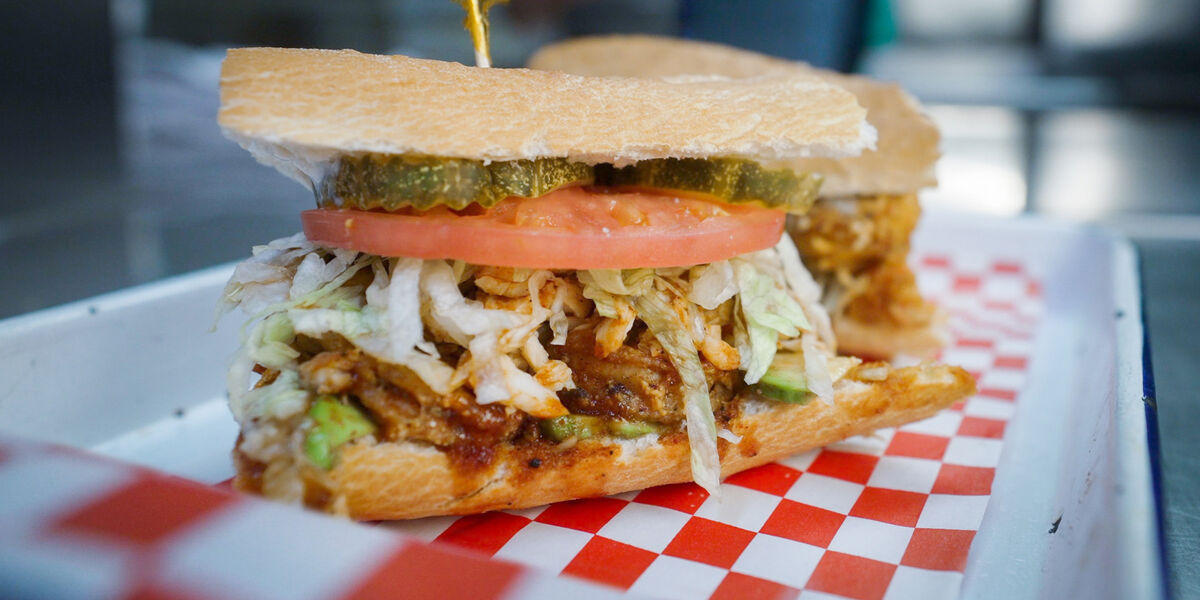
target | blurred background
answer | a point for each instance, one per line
(1087, 110)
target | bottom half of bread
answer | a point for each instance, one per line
(400, 480)
(883, 340)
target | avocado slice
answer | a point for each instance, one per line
(588, 426)
(577, 426)
(334, 422)
(632, 429)
(785, 380)
(784, 386)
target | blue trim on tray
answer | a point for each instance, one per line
(1150, 404)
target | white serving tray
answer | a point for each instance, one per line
(139, 376)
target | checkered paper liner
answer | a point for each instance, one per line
(890, 515)
(75, 525)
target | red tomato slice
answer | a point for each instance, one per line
(572, 228)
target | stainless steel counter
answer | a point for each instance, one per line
(184, 198)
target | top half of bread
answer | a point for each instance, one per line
(907, 149)
(297, 109)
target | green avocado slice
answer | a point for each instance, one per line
(785, 380)
(588, 426)
(334, 423)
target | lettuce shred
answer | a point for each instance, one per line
(673, 334)
(767, 311)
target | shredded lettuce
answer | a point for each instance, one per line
(767, 311)
(806, 289)
(388, 327)
(266, 277)
(728, 436)
(816, 368)
(534, 353)
(462, 270)
(559, 324)
(459, 318)
(403, 306)
(255, 286)
(612, 291)
(314, 272)
(497, 378)
(270, 343)
(280, 399)
(606, 303)
(237, 380)
(766, 303)
(347, 297)
(376, 292)
(629, 282)
(756, 346)
(280, 249)
(325, 296)
(673, 334)
(355, 325)
(489, 335)
(292, 286)
(713, 284)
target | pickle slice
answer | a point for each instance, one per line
(391, 182)
(731, 180)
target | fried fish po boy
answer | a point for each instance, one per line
(856, 238)
(520, 287)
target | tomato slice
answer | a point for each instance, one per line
(573, 228)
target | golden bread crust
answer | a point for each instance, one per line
(296, 108)
(400, 481)
(907, 146)
(885, 341)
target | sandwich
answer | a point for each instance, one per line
(519, 287)
(855, 240)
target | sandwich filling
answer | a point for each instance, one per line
(857, 248)
(353, 347)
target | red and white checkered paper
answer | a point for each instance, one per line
(891, 515)
(74, 525)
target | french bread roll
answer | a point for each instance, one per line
(907, 148)
(298, 109)
(404, 480)
(884, 341)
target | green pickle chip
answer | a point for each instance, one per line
(732, 180)
(392, 182)
(334, 423)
